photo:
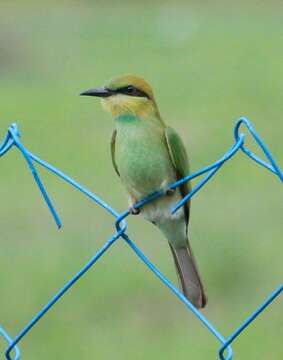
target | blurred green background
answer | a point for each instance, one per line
(209, 63)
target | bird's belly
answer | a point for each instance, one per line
(144, 171)
(145, 166)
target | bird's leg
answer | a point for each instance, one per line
(170, 192)
(167, 190)
(132, 208)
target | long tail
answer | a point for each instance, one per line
(188, 275)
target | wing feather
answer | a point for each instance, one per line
(180, 162)
(113, 142)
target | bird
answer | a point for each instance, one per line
(148, 156)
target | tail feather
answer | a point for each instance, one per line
(188, 275)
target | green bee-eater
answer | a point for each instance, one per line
(149, 156)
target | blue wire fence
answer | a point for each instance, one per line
(12, 139)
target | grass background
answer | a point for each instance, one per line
(209, 63)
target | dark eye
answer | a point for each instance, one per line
(131, 90)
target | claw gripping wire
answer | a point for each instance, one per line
(12, 139)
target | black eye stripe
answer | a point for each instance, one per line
(131, 91)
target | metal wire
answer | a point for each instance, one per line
(12, 139)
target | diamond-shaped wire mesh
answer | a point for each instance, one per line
(12, 139)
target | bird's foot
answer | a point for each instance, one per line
(133, 210)
(170, 192)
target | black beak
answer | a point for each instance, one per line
(99, 92)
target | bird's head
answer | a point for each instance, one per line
(126, 95)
